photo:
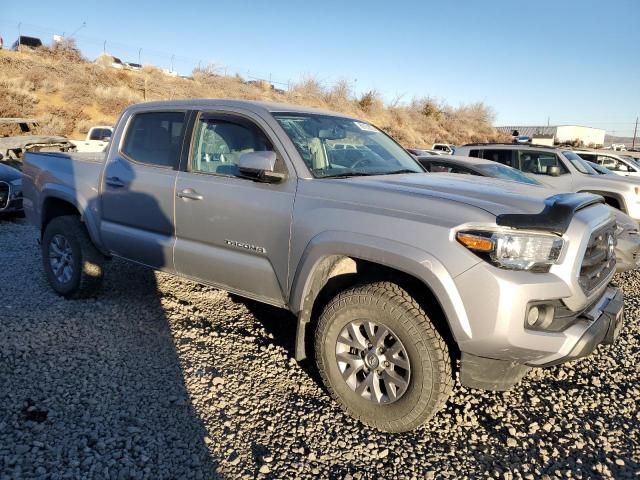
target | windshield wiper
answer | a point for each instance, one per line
(369, 174)
(352, 174)
(404, 170)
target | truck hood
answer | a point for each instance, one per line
(492, 195)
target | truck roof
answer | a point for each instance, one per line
(251, 105)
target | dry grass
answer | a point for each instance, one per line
(68, 94)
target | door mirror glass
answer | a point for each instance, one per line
(553, 171)
(259, 166)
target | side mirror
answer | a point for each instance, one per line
(553, 171)
(259, 166)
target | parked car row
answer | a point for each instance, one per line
(395, 277)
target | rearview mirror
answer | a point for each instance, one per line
(553, 171)
(259, 166)
(332, 133)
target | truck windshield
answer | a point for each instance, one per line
(341, 147)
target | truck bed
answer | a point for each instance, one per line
(75, 175)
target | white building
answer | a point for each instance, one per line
(589, 136)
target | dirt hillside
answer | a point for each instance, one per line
(68, 94)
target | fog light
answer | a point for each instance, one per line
(540, 316)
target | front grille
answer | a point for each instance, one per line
(599, 259)
(4, 195)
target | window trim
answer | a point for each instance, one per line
(217, 114)
(125, 135)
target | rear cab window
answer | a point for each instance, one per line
(503, 156)
(155, 138)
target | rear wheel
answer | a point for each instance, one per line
(381, 358)
(72, 264)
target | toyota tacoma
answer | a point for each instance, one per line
(396, 277)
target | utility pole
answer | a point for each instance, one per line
(19, 35)
(104, 47)
(635, 131)
(139, 52)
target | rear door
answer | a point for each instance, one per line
(137, 199)
(233, 232)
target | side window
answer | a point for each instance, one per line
(155, 138)
(503, 156)
(100, 134)
(612, 164)
(474, 153)
(539, 162)
(589, 157)
(219, 143)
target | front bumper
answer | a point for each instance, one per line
(602, 323)
(607, 319)
(14, 206)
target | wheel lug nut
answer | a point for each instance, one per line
(380, 350)
(386, 363)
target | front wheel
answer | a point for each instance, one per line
(72, 264)
(381, 358)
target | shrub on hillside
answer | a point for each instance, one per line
(15, 101)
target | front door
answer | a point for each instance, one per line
(138, 190)
(231, 231)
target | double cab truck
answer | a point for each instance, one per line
(394, 276)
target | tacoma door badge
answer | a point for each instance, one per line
(245, 246)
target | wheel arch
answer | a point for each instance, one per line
(57, 202)
(612, 199)
(333, 261)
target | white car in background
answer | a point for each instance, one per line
(618, 163)
(446, 148)
(97, 139)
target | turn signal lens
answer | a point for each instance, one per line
(475, 242)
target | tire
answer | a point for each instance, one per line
(428, 380)
(83, 278)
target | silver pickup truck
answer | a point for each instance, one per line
(393, 274)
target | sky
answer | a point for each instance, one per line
(563, 62)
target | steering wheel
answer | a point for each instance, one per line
(363, 160)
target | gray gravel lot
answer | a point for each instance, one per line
(160, 378)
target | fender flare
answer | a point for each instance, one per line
(616, 196)
(389, 253)
(84, 207)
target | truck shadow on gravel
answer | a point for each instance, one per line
(97, 387)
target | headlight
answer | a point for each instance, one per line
(513, 250)
(17, 182)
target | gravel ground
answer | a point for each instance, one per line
(160, 378)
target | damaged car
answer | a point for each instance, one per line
(20, 135)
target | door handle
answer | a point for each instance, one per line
(189, 194)
(114, 182)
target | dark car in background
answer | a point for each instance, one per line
(24, 41)
(10, 190)
(474, 166)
